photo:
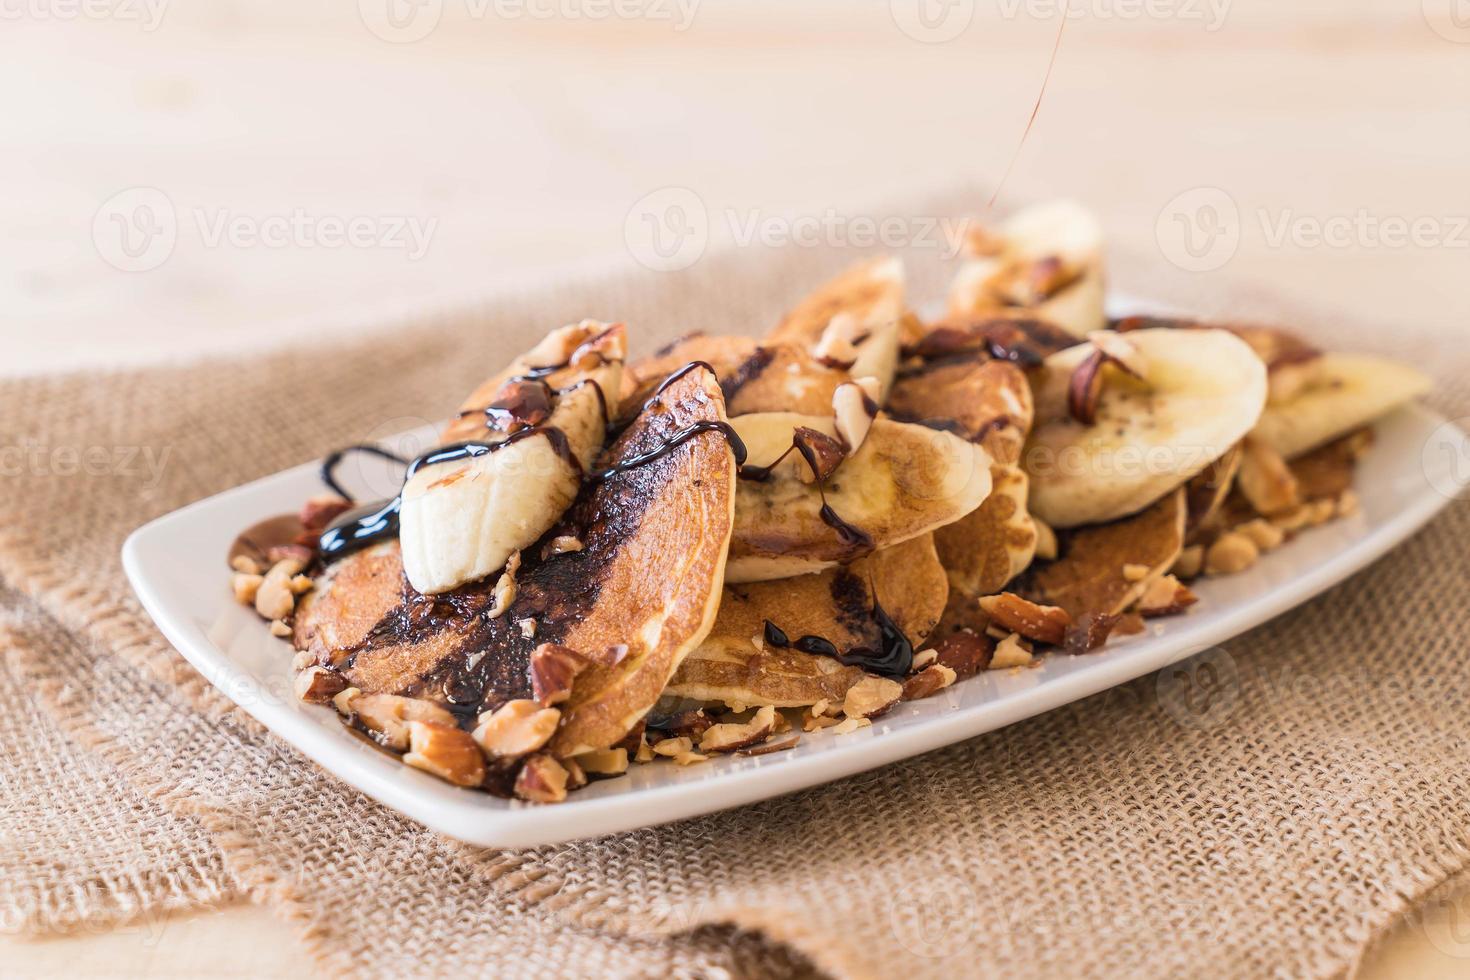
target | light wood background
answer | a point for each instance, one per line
(529, 144)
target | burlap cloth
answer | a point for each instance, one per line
(1272, 812)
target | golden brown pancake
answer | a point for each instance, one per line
(1328, 472)
(836, 605)
(994, 543)
(654, 540)
(1088, 576)
(775, 377)
(961, 387)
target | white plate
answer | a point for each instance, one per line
(176, 565)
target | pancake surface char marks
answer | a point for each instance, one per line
(661, 580)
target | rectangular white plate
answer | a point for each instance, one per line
(176, 565)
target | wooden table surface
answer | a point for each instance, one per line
(214, 175)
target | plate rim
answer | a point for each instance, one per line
(513, 824)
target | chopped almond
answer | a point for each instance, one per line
(870, 697)
(1013, 651)
(731, 736)
(1045, 624)
(516, 728)
(446, 751)
(1190, 563)
(1231, 553)
(542, 780)
(1090, 632)
(604, 762)
(553, 668)
(1166, 596)
(318, 685)
(966, 653)
(1263, 534)
(1265, 480)
(929, 681)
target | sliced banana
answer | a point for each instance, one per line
(1046, 260)
(853, 321)
(1346, 392)
(531, 437)
(903, 481)
(1202, 391)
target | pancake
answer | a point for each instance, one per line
(960, 386)
(647, 576)
(730, 666)
(1089, 576)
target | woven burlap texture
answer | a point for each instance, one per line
(1271, 810)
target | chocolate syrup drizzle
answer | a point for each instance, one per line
(894, 656)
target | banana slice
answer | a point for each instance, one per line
(514, 461)
(1346, 392)
(903, 481)
(1046, 260)
(853, 322)
(1202, 391)
(735, 665)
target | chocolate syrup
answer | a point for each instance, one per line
(774, 636)
(359, 528)
(851, 535)
(331, 462)
(894, 656)
(817, 645)
(747, 371)
(473, 449)
(674, 442)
